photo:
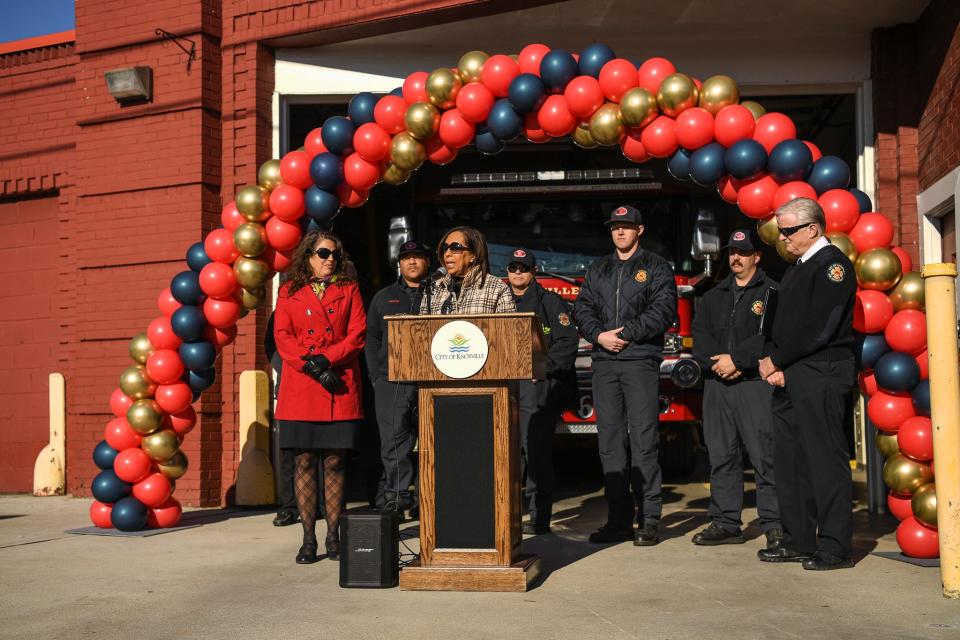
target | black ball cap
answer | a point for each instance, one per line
(744, 240)
(414, 247)
(626, 214)
(524, 257)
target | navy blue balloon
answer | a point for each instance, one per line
(313, 225)
(921, 398)
(593, 57)
(103, 455)
(527, 93)
(337, 135)
(707, 164)
(398, 91)
(862, 199)
(745, 159)
(196, 396)
(185, 288)
(198, 355)
(326, 170)
(129, 514)
(679, 164)
(201, 379)
(868, 349)
(188, 322)
(321, 205)
(829, 172)
(361, 107)
(504, 122)
(109, 488)
(197, 258)
(487, 143)
(898, 372)
(557, 68)
(790, 160)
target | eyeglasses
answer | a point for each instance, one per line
(516, 267)
(323, 253)
(453, 247)
(789, 231)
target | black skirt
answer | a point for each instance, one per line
(308, 434)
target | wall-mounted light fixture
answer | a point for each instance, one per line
(132, 84)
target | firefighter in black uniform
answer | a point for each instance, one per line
(396, 403)
(627, 302)
(811, 367)
(728, 344)
(541, 401)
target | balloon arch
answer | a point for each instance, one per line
(703, 130)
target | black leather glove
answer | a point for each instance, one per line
(331, 382)
(314, 366)
(322, 361)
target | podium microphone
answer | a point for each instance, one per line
(426, 286)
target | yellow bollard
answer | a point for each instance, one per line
(941, 311)
(255, 473)
(49, 471)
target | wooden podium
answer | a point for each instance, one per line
(469, 445)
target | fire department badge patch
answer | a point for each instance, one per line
(640, 276)
(519, 253)
(757, 307)
(836, 272)
(564, 319)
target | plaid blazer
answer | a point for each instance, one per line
(493, 297)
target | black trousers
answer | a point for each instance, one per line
(397, 422)
(812, 458)
(539, 412)
(625, 397)
(737, 417)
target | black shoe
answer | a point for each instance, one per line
(823, 561)
(414, 513)
(285, 519)
(774, 537)
(646, 536)
(333, 549)
(531, 529)
(715, 534)
(782, 554)
(307, 554)
(611, 534)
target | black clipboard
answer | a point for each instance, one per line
(769, 312)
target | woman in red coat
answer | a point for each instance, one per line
(319, 327)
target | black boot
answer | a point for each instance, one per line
(715, 534)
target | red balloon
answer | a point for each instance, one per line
(916, 540)
(221, 312)
(217, 279)
(455, 130)
(915, 438)
(415, 87)
(286, 202)
(659, 137)
(281, 235)
(906, 262)
(474, 102)
(167, 303)
(652, 72)
(840, 208)
(153, 490)
(583, 95)
(174, 398)
(732, 124)
(182, 422)
(617, 77)
(166, 515)
(389, 113)
(887, 411)
(530, 57)
(728, 188)
(279, 261)
(791, 191)
(632, 147)
(773, 128)
(161, 334)
(872, 311)
(868, 382)
(899, 505)
(314, 143)
(814, 149)
(907, 331)
(164, 366)
(120, 435)
(230, 216)
(532, 130)
(497, 73)
(694, 128)
(220, 336)
(555, 118)
(439, 153)
(755, 197)
(371, 142)
(219, 246)
(132, 465)
(350, 197)
(924, 363)
(120, 402)
(100, 514)
(295, 169)
(872, 230)
(360, 174)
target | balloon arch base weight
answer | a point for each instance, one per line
(896, 555)
(142, 533)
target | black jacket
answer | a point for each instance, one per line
(395, 299)
(814, 319)
(638, 294)
(728, 321)
(560, 338)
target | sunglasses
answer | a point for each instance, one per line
(453, 247)
(323, 253)
(518, 268)
(789, 231)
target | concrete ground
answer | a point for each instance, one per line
(234, 577)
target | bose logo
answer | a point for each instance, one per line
(363, 550)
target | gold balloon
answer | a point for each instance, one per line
(582, 138)
(924, 504)
(175, 467)
(754, 107)
(251, 273)
(843, 242)
(471, 64)
(268, 176)
(887, 444)
(161, 445)
(877, 269)
(677, 93)
(135, 382)
(145, 416)
(904, 475)
(252, 203)
(768, 231)
(442, 87)
(638, 107)
(394, 175)
(406, 152)
(141, 348)
(783, 253)
(422, 120)
(250, 239)
(908, 294)
(718, 92)
(252, 298)
(606, 127)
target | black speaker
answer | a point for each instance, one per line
(369, 548)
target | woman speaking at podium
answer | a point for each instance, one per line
(319, 327)
(467, 286)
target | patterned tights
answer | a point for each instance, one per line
(306, 488)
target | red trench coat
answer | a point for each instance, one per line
(334, 327)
